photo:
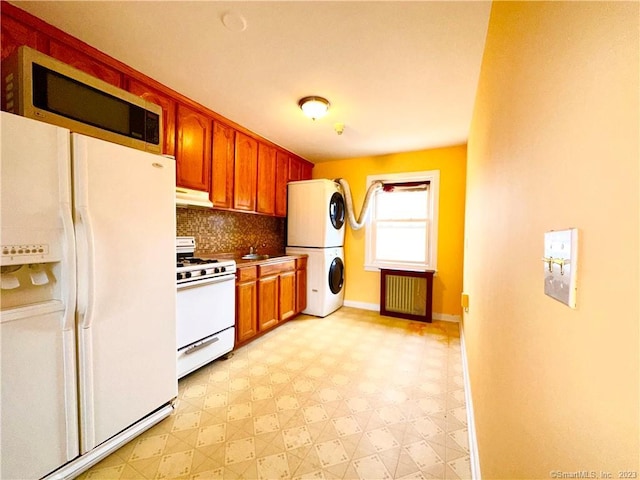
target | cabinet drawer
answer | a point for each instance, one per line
(275, 268)
(246, 273)
(214, 347)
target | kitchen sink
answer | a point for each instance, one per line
(255, 256)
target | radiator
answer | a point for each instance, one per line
(406, 295)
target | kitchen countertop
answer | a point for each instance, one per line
(240, 262)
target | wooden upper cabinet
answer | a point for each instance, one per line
(14, 34)
(222, 166)
(282, 171)
(210, 156)
(245, 173)
(266, 196)
(306, 170)
(193, 149)
(299, 169)
(295, 170)
(85, 62)
(168, 111)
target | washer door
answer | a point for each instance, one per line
(336, 275)
(337, 210)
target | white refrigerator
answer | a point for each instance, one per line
(87, 321)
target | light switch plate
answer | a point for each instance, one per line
(560, 265)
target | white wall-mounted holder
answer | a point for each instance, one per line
(560, 265)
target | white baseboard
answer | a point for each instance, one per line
(471, 428)
(445, 317)
(362, 305)
(471, 424)
(82, 463)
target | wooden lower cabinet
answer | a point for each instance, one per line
(267, 302)
(246, 304)
(267, 295)
(301, 284)
(287, 295)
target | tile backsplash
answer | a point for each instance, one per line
(219, 231)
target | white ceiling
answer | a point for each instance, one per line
(400, 76)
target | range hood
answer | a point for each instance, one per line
(186, 197)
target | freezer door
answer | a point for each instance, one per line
(125, 229)
(35, 193)
(38, 400)
(39, 433)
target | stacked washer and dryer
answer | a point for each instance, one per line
(315, 226)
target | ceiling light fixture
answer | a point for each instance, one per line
(314, 107)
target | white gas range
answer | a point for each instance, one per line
(205, 307)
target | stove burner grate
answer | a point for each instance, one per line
(194, 261)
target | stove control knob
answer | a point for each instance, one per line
(223, 269)
(203, 272)
(187, 274)
(216, 270)
(179, 276)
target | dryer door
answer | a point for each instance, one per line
(336, 275)
(336, 210)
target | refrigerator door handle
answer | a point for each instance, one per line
(68, 240)
(69, 256)
(86, 275)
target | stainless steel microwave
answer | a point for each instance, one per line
(41, 87)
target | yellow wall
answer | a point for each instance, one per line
(554, 144)
(363, 286)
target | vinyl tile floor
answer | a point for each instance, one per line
(354, 395)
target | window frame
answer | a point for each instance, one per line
(431, 176)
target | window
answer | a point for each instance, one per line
(402, 226)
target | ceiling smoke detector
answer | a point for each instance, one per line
(314, 107)
(234, 22)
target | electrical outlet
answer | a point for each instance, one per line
(464, 302)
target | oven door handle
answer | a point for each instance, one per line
(200, 344)
(206, 281)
